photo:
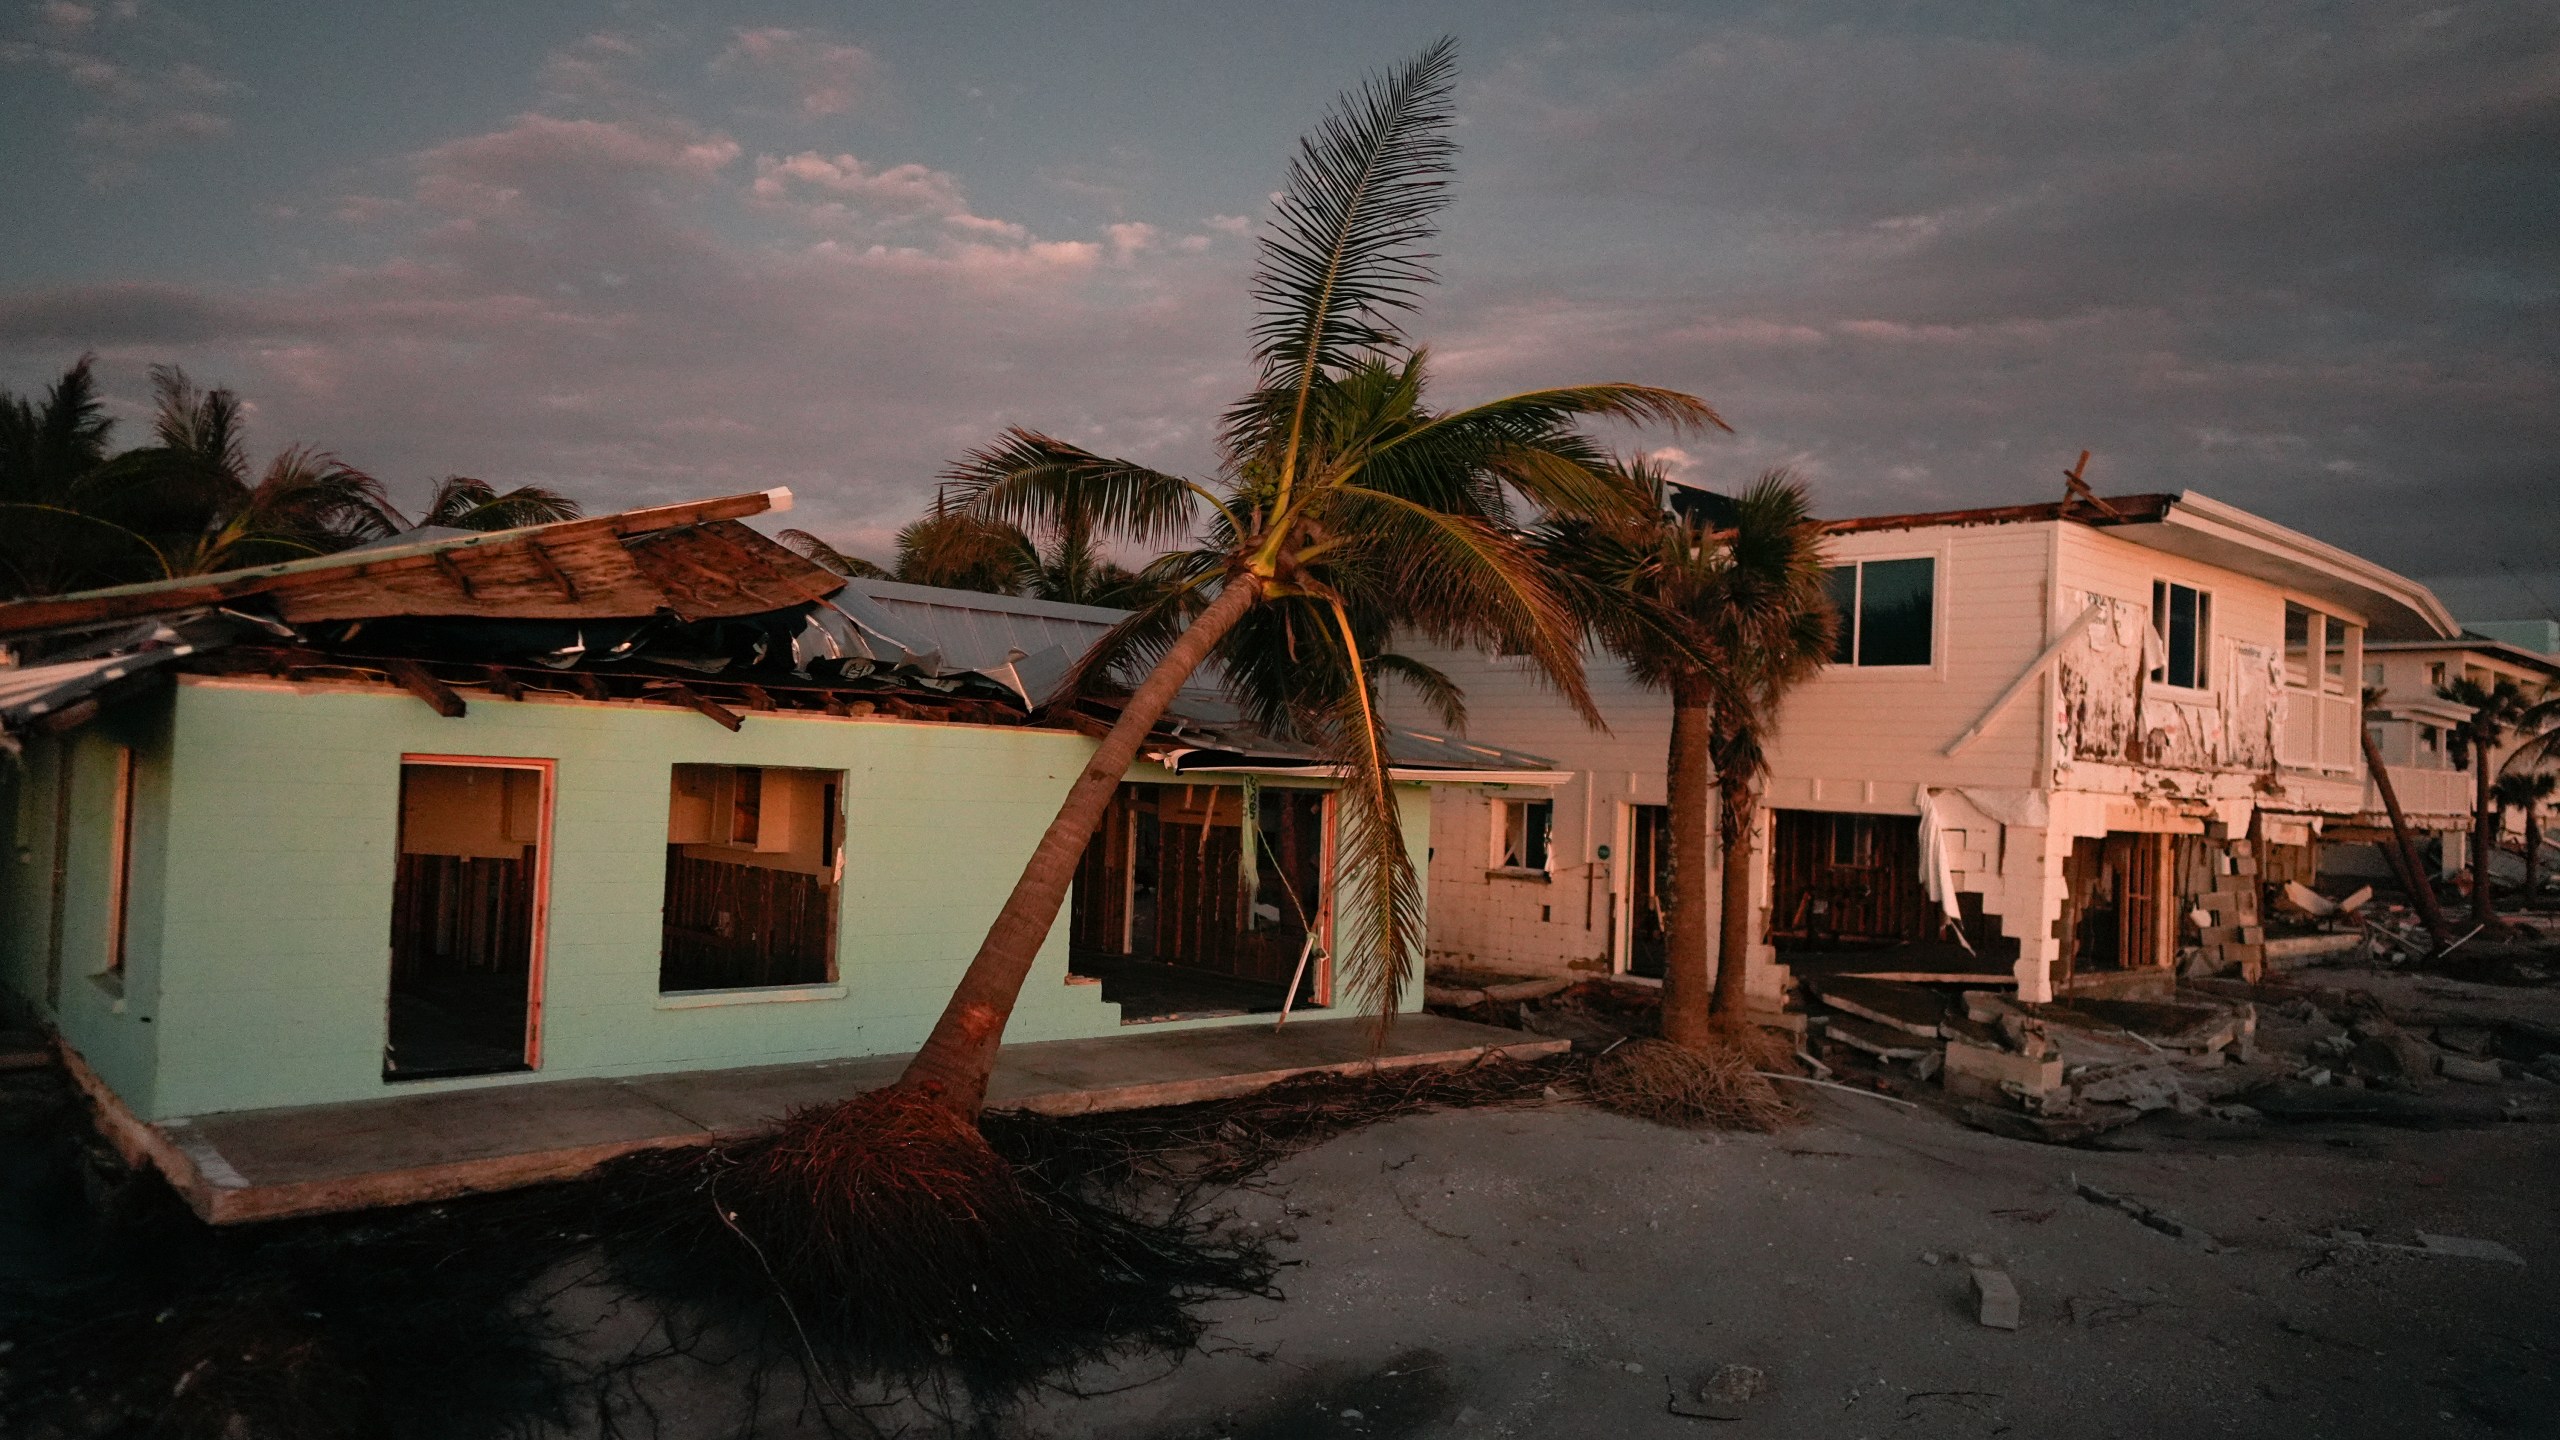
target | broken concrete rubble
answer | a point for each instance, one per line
(1997, 1298)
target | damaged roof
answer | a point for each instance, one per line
(2198, 527)
(677, 605)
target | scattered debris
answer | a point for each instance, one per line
(1998, 1298)
(2469, 1070)
(2159, 1220)
(2455, 1247)
(1722, 1395)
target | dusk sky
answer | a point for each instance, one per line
(2302, 258)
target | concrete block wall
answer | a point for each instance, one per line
(259, 977)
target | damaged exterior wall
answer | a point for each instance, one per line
(263, 887)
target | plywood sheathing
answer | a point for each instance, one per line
(694, 561)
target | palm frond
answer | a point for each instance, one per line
(1379, 923)
(959, 550)
(461, 502)
(1031, 481)
(818, 552)
(1465, 582)
(1179, 585)
(202, 425)
(1434, 688)
(1344, 256)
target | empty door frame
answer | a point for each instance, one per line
(539, 924)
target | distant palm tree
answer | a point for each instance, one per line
(959, 550)
(1726, 621)
(2495, 710)
(1345, 507)
(2528, 791)
(185, 505)
(462, 503)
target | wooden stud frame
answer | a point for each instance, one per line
(538, 928)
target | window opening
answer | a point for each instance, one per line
(1523, 829)
(1887, 609)
(2183, 616)
(751, 903)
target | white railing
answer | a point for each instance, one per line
(2437, 793)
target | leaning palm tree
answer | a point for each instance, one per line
(2528, 791)
(2496, 709)
(1725, 621)
(1344, 505)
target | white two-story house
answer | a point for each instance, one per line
(2044, 729)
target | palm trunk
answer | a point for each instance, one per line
(1685, 1017)
(2422, 891)
(1740, 809)
(2484, 837)
(2532, 851)
(960, 1054)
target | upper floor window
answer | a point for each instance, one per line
(2321, 651)
(1888, 611)
(1521, 829)
(2183, 615)
(2435, 675)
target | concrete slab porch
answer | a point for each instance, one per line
(319, 1159)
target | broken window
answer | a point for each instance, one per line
(1521, 830)
(2183, 616)
(754, 867)
(1887, 609)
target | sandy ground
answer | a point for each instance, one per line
(1556, 1271)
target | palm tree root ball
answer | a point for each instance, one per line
(891, 1240)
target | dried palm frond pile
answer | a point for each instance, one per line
(1719, 1086)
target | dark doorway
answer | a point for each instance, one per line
(1162, 915)
(1649, 891)
(2117, 910)
(466, 907)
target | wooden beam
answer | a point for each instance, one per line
(687, 695)
(452, 572)
(758, 698)
(505, 684)
(2018, 686)
(413, 677)
(551, 567)
(589, 686)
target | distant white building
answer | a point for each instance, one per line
(2072, 711)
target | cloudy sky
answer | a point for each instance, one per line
(2305, 258)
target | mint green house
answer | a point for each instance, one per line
(622, 796)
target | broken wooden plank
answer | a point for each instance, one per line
(1883, 1042)
(1910, 1009)
(687, 695)
(506, 685)
(439, 696)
